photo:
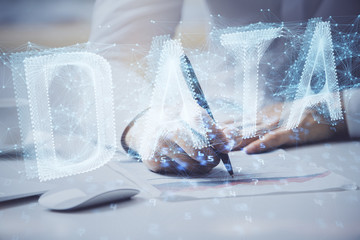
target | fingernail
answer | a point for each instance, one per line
(249, 150)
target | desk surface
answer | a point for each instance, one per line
(323, 215)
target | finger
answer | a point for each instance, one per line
(159, 161)
(236, 139)
(204, 160)
(215, 135)
(229, 121)
(206, 156)
(171, 158)
(269, 141)
(241, 143)
(166, 158)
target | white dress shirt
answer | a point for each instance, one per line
(135, 22)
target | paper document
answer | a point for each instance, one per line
(270, 173)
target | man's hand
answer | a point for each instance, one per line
(312, 128)
(175, 155)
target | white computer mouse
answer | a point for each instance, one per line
(85, 195)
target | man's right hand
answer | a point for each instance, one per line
(173, 154)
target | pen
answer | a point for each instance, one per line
(193, 84)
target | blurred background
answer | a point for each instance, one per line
(57, 23)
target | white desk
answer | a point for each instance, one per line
(327, 215)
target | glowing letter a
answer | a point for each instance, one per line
(173, 112)
(319, 65)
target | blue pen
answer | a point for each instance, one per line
(198, 95)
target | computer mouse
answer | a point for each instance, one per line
(85, 195)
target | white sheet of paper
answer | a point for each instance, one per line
(277, 172)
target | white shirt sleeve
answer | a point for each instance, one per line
(133, 22)
(351, 98)
(131, 25)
